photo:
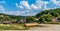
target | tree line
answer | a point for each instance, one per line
(41, 17)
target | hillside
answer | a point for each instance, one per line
(53, 12)
(43, 16)
(4, 18)
(47, 15)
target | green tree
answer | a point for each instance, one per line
(30, 19)
(45, 18)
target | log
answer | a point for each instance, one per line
(31, 24)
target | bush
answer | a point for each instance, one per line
(52, 23)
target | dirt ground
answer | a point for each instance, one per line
(48, 27)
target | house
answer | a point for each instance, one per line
(22, 21)
(54, 19)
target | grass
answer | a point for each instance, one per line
(15, 27)
(51, 23)
(21, 26)
(12, 27)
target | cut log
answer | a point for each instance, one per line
(31, 24)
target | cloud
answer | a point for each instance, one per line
(34, 7)
(41, 4)
(20, 7)
(25, 4)
(38, 6)
(31, 14)
(1, 7)
(55, 2)
(16, 12)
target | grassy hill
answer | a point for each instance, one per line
(53, 12)
(47, 15)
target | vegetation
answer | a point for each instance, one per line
(43, 16)
(30, 19)
(12, 27)
(4, 18)
(47, 15)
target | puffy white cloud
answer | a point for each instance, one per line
(39, 3)
(45, 3)
(20, 7)
(25, 4)
(42, 4)
(55, 2)
(11, 12)
(1, 7)
(16, 12)
(34, 7)
(37, 6)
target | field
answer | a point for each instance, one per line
(48, 27)
(30, 27)
(12, 27)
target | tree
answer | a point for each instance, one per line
(45, 18)
(55, 14)
(30, 19)
(41, 20)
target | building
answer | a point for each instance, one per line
(54, 19)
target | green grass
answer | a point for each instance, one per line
(21, 26)
(8, 28)
(12, 27)
(52, 23)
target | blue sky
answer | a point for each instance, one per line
(27, 7)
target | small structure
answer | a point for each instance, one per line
(23, 21)
(58, 19)
(54, 19)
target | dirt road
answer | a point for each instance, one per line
(48, 27)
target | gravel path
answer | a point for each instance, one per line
(48, 27)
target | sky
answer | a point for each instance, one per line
(27, 7)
